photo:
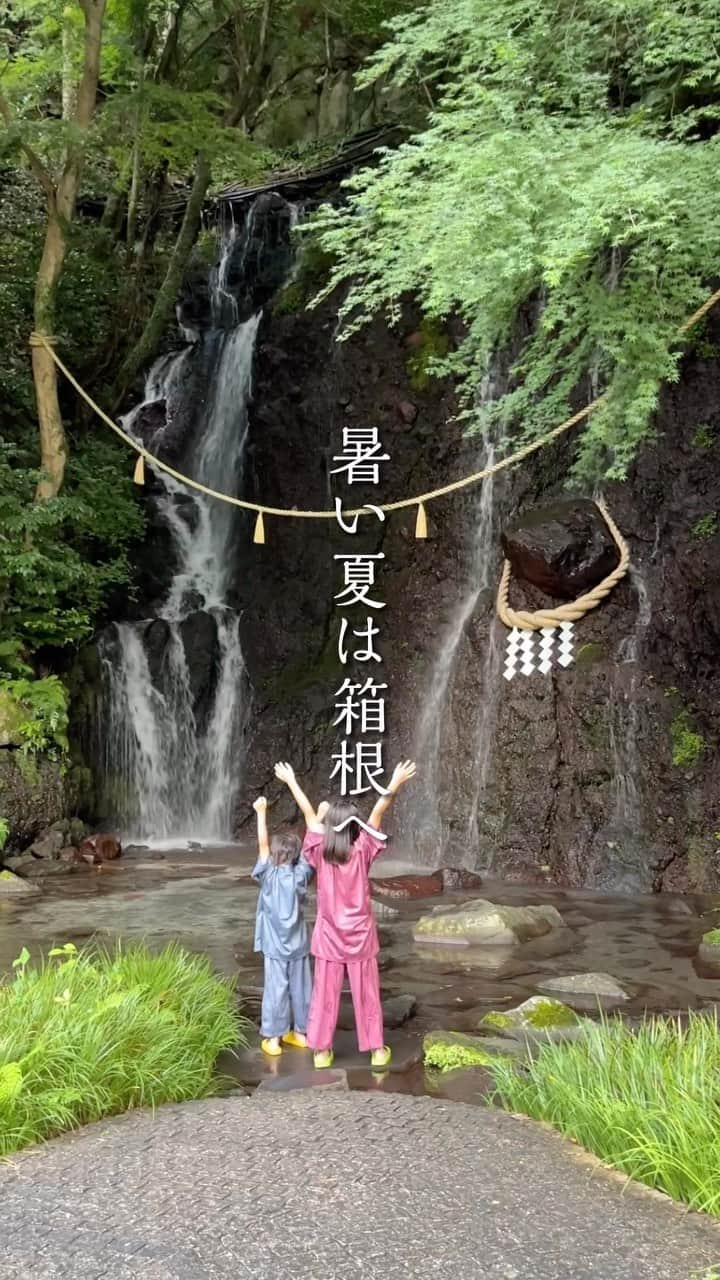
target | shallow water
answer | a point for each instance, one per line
(206, 900)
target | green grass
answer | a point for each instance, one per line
(712, 938)
(90, 1034)
(645, 1102)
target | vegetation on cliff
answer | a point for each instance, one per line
(568, 166)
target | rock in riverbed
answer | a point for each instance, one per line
(483, 923)
(599, 987)
(11, 885)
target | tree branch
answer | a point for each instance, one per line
(216, 31)
(38, 168)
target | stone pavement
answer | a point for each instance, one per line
(324, 1186)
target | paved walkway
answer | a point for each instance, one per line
(332, 1186)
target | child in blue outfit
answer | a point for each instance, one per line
(281, 934)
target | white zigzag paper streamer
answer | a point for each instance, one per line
(554, 645)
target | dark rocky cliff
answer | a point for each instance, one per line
(604, 774)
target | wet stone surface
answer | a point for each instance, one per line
(328, 1184)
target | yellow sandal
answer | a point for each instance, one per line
(296, 1039)
(272, 1050)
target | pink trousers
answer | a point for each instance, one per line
(325, 1004)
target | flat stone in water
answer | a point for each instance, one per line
(602, 985)
(332, 1078)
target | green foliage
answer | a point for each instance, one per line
(568, 169)
(687, 744)
(433, 346)
(89, 1035)
(704, 437)
(705, 527)
(4, 832)
(59, 560)
(645, 1101)
(712, 939)
(43, 720)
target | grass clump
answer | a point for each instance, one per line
(645, 1102)
(90, 1034)
(712, 938)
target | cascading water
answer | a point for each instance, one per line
(430, 834)
(170, 745)
(626, 817)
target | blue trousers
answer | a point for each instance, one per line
(286, 996)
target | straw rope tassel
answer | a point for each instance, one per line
(139, 473)
(259, 534)
(421, 522)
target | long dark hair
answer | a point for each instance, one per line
(284, 848)
(339, 843)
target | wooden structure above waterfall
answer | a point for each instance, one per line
(299, 183)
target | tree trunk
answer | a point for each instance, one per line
(61, 210)
(53, 445)
(168, 291)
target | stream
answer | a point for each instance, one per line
(205, 899)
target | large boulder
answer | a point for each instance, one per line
(480, 922)
(565, 548)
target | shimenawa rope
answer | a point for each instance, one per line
(47, 341)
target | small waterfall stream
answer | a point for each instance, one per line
(430, 829)
(174, 683)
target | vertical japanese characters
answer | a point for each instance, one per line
(359, 702)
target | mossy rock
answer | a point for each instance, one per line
(539, 1013)
(709, 949)
(482, 923)
(450, 1050)
(589, 654)
(12, 884)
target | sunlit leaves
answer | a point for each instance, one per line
(558, 174)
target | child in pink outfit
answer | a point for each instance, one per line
(341, 850)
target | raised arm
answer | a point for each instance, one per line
(260, 807)
(286, 774)
(401, 774)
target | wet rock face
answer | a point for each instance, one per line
(564, 548)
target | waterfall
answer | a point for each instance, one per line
(624, 720)
(430, 831)
(174, 683)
